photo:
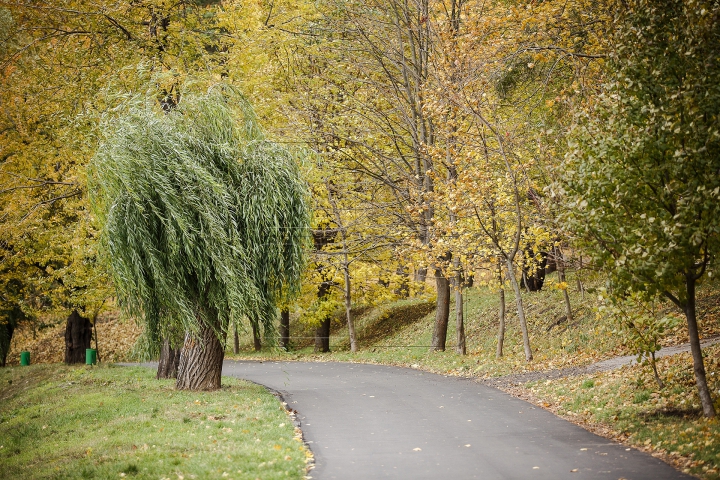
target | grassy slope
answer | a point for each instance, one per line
(627, 405)
(110, 422)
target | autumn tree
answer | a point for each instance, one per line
(203, 219)
(641, 183)
(363, 98)
(58, 61)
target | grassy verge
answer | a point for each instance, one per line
(629, 406)
(113, 422)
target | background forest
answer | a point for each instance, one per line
(449, 146)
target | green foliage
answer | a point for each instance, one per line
(204, 220)
(641, 180)
(641, 324)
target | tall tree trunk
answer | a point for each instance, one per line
(520, 309)
(256, 338)
(420, 275)
(78, 334)
(322, 333)
(285, 328)
(442, 313)
(201, 361)
(6, 334)
(501, 313)
(459, 313)
(698, 365)
(322, 337)
(169, 360)
(560, 262)
(236, 340)
(348, 304)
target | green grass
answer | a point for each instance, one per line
(111, 422)
(629, 404)
(399, 333)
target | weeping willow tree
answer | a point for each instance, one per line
(205, 222)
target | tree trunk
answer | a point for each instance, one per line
(256, 338)
(533, 276)
(403, 289)
(322, 333)
(442, 313)
(520, 309)
(348, 304)
(421, 275)
(169, 360)
(236, 340)
(560, 263)
(285, 328)
(501, 314)
(653, 363)
(322, 337)
(78, 334)
(6, 334)
(97, 348)
(459, 313)
(698, 365)
(201, 361)
(460, 322)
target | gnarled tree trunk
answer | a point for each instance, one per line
(78, 334)
(201, 360)
(169, 360)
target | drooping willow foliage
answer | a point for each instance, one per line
(203, 218)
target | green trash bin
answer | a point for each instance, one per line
(25, 358)
(90, 356)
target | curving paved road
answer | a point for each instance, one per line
(369, 421)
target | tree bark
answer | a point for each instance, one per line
(501, 314)
(698, 364)
(520, 309)
(236, 340)
(560, 263)
(78, 334)
(348, 305)
(285, 328)
(201, 360)
(442, 313)
(169, 360)
(256, 338)
(322, 333)
(421, 275)
(460, 346)
(6, 334)
(322, 337)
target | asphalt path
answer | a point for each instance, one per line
(370, 421)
